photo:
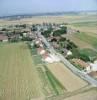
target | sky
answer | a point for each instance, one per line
(13, 7)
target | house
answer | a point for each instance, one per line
(3, 38)
(50, 58)
(67, 52)
(80, 62)
(93, 74)
(54, 58)
(92, 67)
(24, 34)
(55, 45)
(41, 51)
(38, 42)
(47, 58)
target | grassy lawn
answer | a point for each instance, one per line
(19, 79)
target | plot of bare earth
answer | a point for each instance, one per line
(70, 81)
(90, 95)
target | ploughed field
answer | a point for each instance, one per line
(18, 76)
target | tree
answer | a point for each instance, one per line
(84, 57)
(47, 33)
(62, 39)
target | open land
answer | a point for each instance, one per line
(51, 19)
(90, 95)
(66, 77)
(18, 77)
(87, 29)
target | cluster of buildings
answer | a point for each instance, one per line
(89, 68)
(3, 38)
(46, 55)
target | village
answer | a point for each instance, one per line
(56, 36)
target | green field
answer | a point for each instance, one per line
(87, 38)
(89, 52)
(86, 24)
(18, 76)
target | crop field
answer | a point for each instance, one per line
(89, 95)
(70, 81)
(50, 85)
(51, 19)
(86, 26)
(88, 39)
(18, 76)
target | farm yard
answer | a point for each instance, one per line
(18, 76)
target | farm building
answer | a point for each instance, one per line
(50, 58)
(93, 74)
(41, 51)
(38, 42)
(47, 59)
(81, 63)
(3, 38)
(67, 52)
(92, 67)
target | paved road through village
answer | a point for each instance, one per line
(76, 71)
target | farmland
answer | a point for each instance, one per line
(67, 79)
(90, 39)
(51, 19)
(24, 77)
(18, 77)
(87, 29)
(89, 95)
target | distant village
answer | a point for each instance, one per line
(55, 35)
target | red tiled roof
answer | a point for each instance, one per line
(94, 73)
(45, 55)
(3, 37)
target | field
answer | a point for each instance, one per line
(50, 85)
(90, 95)
(26, 77)
(86, 26)
(88, 39)
(51, 19)
(18, 76)
(66, 77)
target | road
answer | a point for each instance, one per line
(76, 71)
